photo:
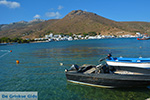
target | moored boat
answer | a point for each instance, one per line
(103, 76)
(144, 38)
(1, 44)
(140, 64)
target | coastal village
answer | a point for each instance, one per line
(57, 37)
(51, 37)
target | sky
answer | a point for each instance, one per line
(117, 10)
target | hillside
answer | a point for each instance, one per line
(76, 22)
(19, 24)
(25, 30)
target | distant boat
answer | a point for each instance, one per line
(102, 76)
(144, 38)
(3, 44)
(140, 64)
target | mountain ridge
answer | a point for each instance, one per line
(19, 24)
(77, 22)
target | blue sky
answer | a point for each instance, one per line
(118, 10)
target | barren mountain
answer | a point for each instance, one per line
(76, 22)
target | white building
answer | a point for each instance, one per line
(49, 36)
(70, 38)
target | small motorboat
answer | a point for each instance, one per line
(144, 38)
(103, 76)
(1, 44)
(140, 64)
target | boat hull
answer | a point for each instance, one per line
(143, 38)
(135, 67)
(109, 80)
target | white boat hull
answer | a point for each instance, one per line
(127, 64)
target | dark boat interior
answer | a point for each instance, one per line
(89, 69)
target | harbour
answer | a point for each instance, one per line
(39, 68)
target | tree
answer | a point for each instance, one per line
(5, 39)
(61, 34)
(70, 34)
(18, 40)
(85, 34)
(92, 33)
(14, 39)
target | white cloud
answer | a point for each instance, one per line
(37, 16)
(53, 14)
(60, 7)
(52, 9)
(85, 9)
(9, 4)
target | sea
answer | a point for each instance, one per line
(39, 68)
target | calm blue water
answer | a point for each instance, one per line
(39, 68)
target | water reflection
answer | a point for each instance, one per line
(69, 52)
(95, 49)
(93, 93)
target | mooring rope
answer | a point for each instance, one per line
(7, 51)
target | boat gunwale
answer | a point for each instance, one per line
(115, 76)
(130, 60)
